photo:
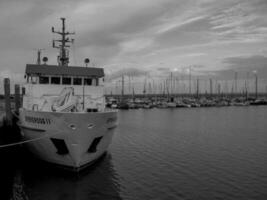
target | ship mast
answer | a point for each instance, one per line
(63, 58)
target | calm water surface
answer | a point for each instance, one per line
(201, 153)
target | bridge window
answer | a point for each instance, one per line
(87, 81)
(34, 79)
(95, 82)
(77, 81)
(55, 80)
(44, 80)
(66, 81)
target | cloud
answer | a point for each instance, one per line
(15, 78)
(243, 66)
(254, 62)
(174, 24)
(174, 32)
(136, 44)
(194, 54)
(243, 21)
(131, 72)
(163, 69)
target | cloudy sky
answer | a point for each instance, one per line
(214, 37)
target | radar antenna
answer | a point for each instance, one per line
(63, 58)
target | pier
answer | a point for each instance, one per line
(10, 104)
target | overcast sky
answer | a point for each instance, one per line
(215, 37)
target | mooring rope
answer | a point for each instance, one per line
(23, 142)
(27, 141)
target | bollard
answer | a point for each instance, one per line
(7, 102)
(17, 98)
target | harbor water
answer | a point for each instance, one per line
(197, 153)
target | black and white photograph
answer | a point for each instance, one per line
(133, 99)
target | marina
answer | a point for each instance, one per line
(226, 163)
(186, 101)
(222, 155)
(133, 100)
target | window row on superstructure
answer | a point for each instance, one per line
(65, 80)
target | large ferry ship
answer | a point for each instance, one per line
(64, 111)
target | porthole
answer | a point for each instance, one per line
(90, 126)
(72, 126)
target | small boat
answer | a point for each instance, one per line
(64, 110)
(171, 104)
(258, 102)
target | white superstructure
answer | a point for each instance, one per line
(64, 106)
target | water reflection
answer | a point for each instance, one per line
(7, 172)
(34, 180)
(199, 153)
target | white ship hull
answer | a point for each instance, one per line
(69, 139)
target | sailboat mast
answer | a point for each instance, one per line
(122, 85)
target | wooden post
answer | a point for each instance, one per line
(256, 86)
(7, 101)
(23, 90)
(17, 98)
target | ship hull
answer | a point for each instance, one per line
(72, 140)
